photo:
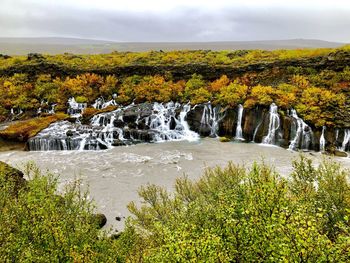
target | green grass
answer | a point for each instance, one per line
(23, 130)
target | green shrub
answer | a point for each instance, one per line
(239, 215)
(38, 225)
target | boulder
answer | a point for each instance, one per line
(12, 174)
(99, 220)
(194, 117)
(228, 124)
(340, 153)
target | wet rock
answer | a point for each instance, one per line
(118, 142)
(228, 124)
(139, 135)
(287, 123)
(119, 123)
(224, 139)
(255, 124)
(69, 133)
(340, 153)
(194, 117)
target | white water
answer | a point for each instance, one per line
(322, 140)
(75, 109)
(163, 119)
(211, 119)
(239, 133)
(100, 103)
(303, 135)
(346, 140)
(165, 122)
(274, 124)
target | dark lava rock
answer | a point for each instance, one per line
(118, 142)
(69, 133)
(194, 117)
(119, 123)
(99, 219)
(228, 124)
(12, 174)
(116, 235)
(139, 135)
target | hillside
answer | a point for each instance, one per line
(22, 46)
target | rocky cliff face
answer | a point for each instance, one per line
(287, 131)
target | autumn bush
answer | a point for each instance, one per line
(234, 214)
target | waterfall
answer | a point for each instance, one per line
(210, 119)
(322, 140)
(168, 125)
(134, 123)
(303, 134)
(239, 133)
(100, 103)
(188, 134)
(75, 109)
(346, 141)
(256, 130)
(274, 124)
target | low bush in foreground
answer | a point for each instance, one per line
(239, 215)
(230, 215)
(38, 225)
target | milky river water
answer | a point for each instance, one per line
(114, 176)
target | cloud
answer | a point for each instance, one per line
(181, 22)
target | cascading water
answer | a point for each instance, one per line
(323, 140)
(346, 141)
(303, 135)
(210, 119)
(141, 123)
(168, 125)
(75, 109)
(274, 124)
(239, 133)
(100, 103)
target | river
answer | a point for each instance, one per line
(113, 176)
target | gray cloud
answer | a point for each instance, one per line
(20, 18)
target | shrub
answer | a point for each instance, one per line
(38, 225)
(240, 215)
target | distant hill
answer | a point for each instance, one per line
(22, 46)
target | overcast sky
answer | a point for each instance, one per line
(177, 20)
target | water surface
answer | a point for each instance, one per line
(115, 175)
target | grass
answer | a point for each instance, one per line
(90, 112)
(23, 130)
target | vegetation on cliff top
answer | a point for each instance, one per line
(117, 59)
(230, 214)
(321, 96)
(23, 130)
